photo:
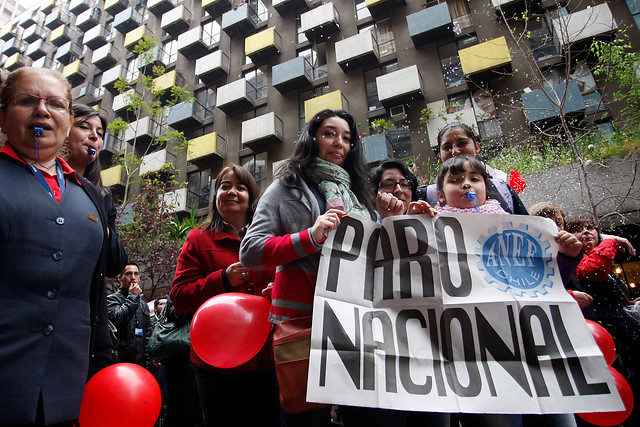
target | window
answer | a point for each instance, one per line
(460, 16)
(587, 84)
(111, 29)
(211, 33)
(260, 9)
(481, 102)
(205, 103)
(305, 96)
(203, 130)
(300, 35)
(384, 36)
(132, 69)
(370, 76)
(316, 56)
(257, 166)
(97, 83)
(199, 190)
(541, 38)
(169, 52)
(362, 11)
(258, 83)
(252, 114)
(400, 136)
(450, 61)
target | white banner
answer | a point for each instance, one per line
(457, 313)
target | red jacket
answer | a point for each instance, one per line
(597, 264)
(204, 256)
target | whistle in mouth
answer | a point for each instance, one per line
(91, 151)
(37, 131)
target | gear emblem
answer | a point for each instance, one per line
(513, 259)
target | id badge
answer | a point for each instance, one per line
(139, 332)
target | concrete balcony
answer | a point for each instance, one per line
(153, 162)
(113, 143)
(76, 72)
(334, 100)
(121, 103)
(431, 24)
(400, 87)
(382, 8)
(296, 73)
(127, 20)
(61, 35)
(211, 67)
(215, 8)
(511, 7)
(35, 17)
(88, 19)
(57, 18)
(96, 37)
(357, 51)
(167, 81)
(546, 104)
(261, 131)
(113, 7)
(14, 62)
(105, 57)
(68, 52)
(285, 6)
(239, 21)
(37, 49)
(236, 96)
(78, 6)
(176, 200)
(47, 6)
(484, 60)
(582, 26)
(176, 21)
(112, 75)
(13, 46)
(192, 43)
(185, 115)
(115, 176)
(158, 7)
(88, 93)
(10, 31)
(320, 22)
(36, 32)
(141, 132)
(203, 149)
(377, 148)
(45, 62)
(155, 57)
(134, 36)
(263, 45)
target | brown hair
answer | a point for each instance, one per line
(457, 164)
(8, 86)
(546, 210)
(575, 224)
(215, 221)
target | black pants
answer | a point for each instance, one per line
(247, 398)
(183, 400)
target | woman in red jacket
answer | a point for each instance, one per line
(209, 265)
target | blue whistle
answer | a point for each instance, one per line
(37, 131)
(91, 150)
(472, 195)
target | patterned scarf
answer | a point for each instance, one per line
(335, 187)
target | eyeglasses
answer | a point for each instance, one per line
(53, 103)
(389, 184)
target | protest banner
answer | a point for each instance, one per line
(457, 313)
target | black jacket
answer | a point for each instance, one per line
(130, 315)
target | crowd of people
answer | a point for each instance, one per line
(59, 242)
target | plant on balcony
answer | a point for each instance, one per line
(426, 114)
(381, 125)
(451, 107)
(147, 100)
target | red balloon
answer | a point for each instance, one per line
(613, 418)
(604, 340)
(230, 329)
(124, 395)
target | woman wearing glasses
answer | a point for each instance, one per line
(324, 179)
(53, 239)
(395, 187)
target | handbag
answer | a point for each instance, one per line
(169, 339)
(291, 349)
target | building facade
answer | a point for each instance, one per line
(259, 69)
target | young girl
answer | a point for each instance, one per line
(462, 187)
